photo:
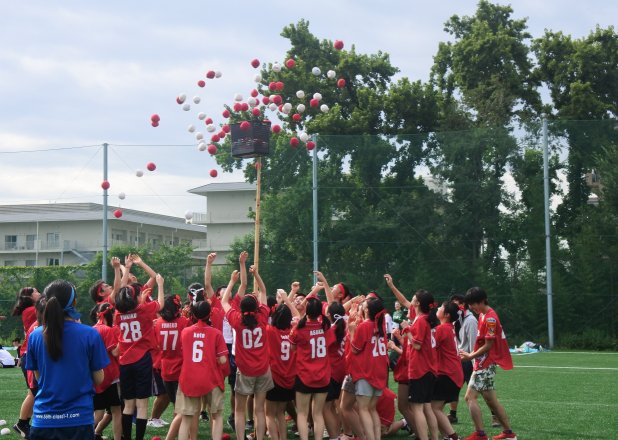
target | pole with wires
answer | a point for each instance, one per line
(315, 205)
(104, 263)
(548, 270)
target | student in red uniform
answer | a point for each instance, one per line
(107, 397)
(248, 316)
(422, 369)
(490, 349)
(311, 339)
(100, 291)
(283, 366)
(336, 356)
(203, 351)
(450, 373)
(24, 307)
(369, 364)
(386, 413)
(134, 317)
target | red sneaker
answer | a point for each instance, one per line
(503, 435)
(477, 436)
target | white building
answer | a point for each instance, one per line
(228, 206)
(72, 233)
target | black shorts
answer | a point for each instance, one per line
(231, 379)
(158, 386)
(171, 388)
(136, 379)
(421, 390)
(300, 387)
(108, 398)
(445, 390)
(280, 394)
(467, 370)
(334, 390)
(67, 433)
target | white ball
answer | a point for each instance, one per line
(317, 96)
(304, 137)
(285, 111)
(189, 215)
(122, 196)
(2, 422)
(202, 146)
(201, 116)
(5, 431)
(257, 78)
(199, 136)
(210, 128)
(218, 74)
(316, 71)
(139, 173)
(186, 107)
(272, 107)
(276, 67)
(197, 99)
(191, 128)
(287, 107)
(324, 108)
(238, 97)
(182, 97)
(252, 101)
(331, 74)
(301, 108)
(300, 94)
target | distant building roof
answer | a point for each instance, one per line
(58, 212)
(225, 186)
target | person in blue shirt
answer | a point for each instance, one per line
(67, 359)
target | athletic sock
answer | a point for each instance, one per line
(508, 431)
(22, 422)
(127, 425)
(140, 428)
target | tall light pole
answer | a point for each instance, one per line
(104, 263)
(548, 269)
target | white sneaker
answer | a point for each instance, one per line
(155, 423)
(164, 422)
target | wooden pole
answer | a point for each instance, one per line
(256, 248)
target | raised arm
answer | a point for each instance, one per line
(260, 283)
(281, 295)
(242, 260)
(227, 295)
(294, 288)
(117, 278)
(152, 275)
(160, 290)
(402, 299)
(127, 271)
(327, 291)
(208, 290)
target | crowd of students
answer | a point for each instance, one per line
(322, 357)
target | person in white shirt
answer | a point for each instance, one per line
(6, 359)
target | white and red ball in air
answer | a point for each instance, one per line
(314, 102)
(226, 113)
(139, 173)
(296, 117)
(256, 111)
(338, 44)
(225, 128)
(105, 184)
(122, 196)
(150, 166)
(341, 83)
(188, 216)
(277, 99)
(255, 63)
(201, 83)
(117, 213)
(181, 98)
(254, 93)
(213, 173)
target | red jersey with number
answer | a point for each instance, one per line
(136, 332)
(336, 356)
(168, 338)
(490, 328)
(28, 317)
(400, 372)
(312, 364)
(386, 407)
(282, 357)
(200, 372)
(369, 360)
(423, 361)
(447, 353)
(251, 346)
(111, 373)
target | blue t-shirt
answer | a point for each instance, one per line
(65, 386)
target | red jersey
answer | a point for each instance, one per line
(168, 338)
(400, 372)
(282, 357)
(447, 353)
(29, 373)
(200, 372)
(312, 364)
(386, 407)
(28, 317)
(490, 328)
(336, 357)
(251, 345)
(136, 332)
(423, 361)
(111, 373)
(369, 360)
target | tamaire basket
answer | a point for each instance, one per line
(253, 142)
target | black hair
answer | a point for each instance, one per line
(476, 295)
(282, 317)
(425, 300)
(374, 307)
(95, 291)
(40, 309)
(58, 294)
(460, 299)
(219, 290)
(432, 317)
(171, 308)
(248, 308)
(271, 301)
(336, 308)
(452, 309)
(313, 311)
(346, 292)
(196, 292)
(201, 311)
(107, 310)
(126, 298)
(23, 300)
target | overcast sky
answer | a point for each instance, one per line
(76, 74)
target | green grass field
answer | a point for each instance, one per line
(556, 395)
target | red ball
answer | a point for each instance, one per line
(290, 63)
(255, 63)
(237, 106)
(226, 113)
(226, 436)
(296, 117)
(310, 145)
(213, 173)
(279, 85)
(314, 102)
(265, 100)
(210, 74)
(254, 93)
(215, 138)
(155, 118)
(212, 149)
(221, 134)
(244, 125)
(244, 106)
(256, 111)
(276, 128)
(338, 44)
(156, 437)
(150, 166)
(154, 123)
(272, 86)
(226, 128)
(294, 142)
(179, 101)
(105, 184)
(201, 83)
(276, 99)
(117, 213)
(341, 83)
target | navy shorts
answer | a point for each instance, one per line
(67, 433)
(231, 379)
(280, 394)
(467, 370)
(300, 387)
(136, 379)
(158, 386)
(334, 390)
(421, 390)
(172, 389)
